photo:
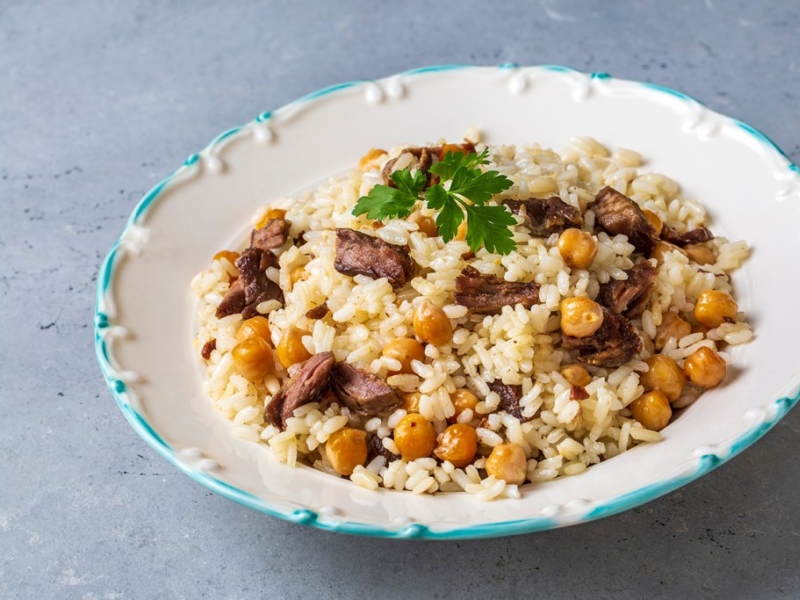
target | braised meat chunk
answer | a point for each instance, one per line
(252, 287)
(362, 392)
(510, 395)
(308, 384)
(375, 448)
(613, 344)
(489, 294)
(618, 214)
(360, 254)
(272, 235)
(629, 297)
(546, 216)
(694, 236)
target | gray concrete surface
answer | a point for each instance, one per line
(100, 100)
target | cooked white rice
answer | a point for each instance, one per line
(518, 346)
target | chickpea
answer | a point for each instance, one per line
(702, 255)
(366, 161)
(652, 410)
(507, 462)
(705, 368)
(254, 327)
(230, 255)
(426, 224)
(580, 317)
(404, 350)
(411, 402)
(297, 274)
(655, 221)
(576, 375)
(664, 375)
(715, 307)
(577, 248)
(672, 326)
(269, 214)
(431, 325)
(661, 248)
(253, 358)
(452, 148)
(462, 400)
(346, 449)
(291, 349)
(458, 444)
(415, 437)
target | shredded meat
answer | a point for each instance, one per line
(362, 392)
(318, 311)
(308, 384)
(208, 348)
(629, 297)
(618, 214)
(489, 294)
(510, 395)
(252, 265)
(233, 301)
(545, 217)
(695, 236)
(272, 235)
(360, 254)
(613, 344)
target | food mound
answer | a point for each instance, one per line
(463, 317)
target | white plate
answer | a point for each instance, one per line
(145, 312)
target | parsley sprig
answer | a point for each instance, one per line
(465, 198)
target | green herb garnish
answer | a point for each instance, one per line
(466, 197)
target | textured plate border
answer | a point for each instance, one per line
(120, 382)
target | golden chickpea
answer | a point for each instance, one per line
(411, 402)
(661, 248)
(414, 437)
(576, 375)
(702, 255)
(652, 410)
(404, 350)
(228, 254)
(664, 375)
(507, 462)
(715, 307)
(705, 368)
(672, 326)
(458, 444)
(366, 161)
(431, 325)
(655, 221)
(253, 358)
(254, 327)
(426, 224)
(291, 349)
(577, 248)
(269, 214)
(580, 317)
(462, 400)
(346, 449)
(297, 274)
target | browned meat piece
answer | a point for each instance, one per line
(615, 343)
(489, 294)
(208, 348)
(695, 236)
(360, 254)
(510, 395)
(272, 235)
(362, 392)
(308, 384)
(252, 265)
(629, 297)
(233, 302)
(577, 392)
(618, 214)
(318, 311)
(375, 448)
(545, 217)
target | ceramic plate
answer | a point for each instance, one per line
(145, 314)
